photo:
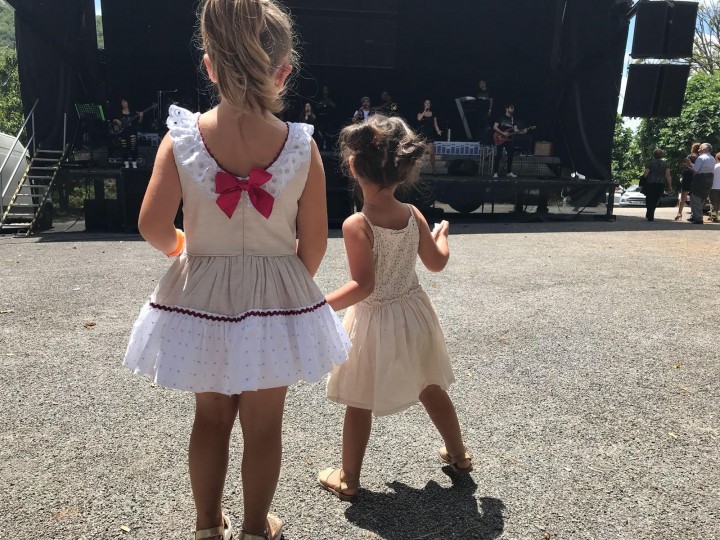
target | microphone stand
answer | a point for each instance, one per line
(159, 110)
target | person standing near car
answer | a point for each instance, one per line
(687, 177)
(702, 182)
(715, 192)
(656, 174)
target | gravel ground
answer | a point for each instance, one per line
(587, 386)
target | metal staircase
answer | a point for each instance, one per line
(28, 209)
(27, 175)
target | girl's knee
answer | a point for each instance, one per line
(432, 392)
(215, 411)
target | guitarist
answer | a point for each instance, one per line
(503, 130)
(128, 123)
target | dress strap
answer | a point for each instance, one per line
(367, 219)
(412, 214)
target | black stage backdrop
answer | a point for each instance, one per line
(560, 61)
(57, 57)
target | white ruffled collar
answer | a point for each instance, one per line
(192, 154)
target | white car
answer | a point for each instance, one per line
(632, 197)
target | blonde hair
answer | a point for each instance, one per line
(247, 41)
(386, 151)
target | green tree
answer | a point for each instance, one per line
(11, 111)
(624, 164)
(706, 49)
(698, 122)
(7, 26)
(100, 32)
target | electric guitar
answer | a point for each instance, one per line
(509, 134)
(119, 126)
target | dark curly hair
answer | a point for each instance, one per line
(386, 151)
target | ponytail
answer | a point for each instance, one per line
(247, 41)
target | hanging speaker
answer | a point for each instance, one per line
(655, 90)
(664, 30)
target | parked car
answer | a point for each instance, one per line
(633, 197)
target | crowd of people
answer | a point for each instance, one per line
(700, 180)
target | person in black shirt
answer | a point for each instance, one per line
(127, 127)
(325, 117)
(429, 128)
(656, 174)
(503, 130)
(484, 111)
(387, 106)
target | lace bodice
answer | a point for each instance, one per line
(395, 253)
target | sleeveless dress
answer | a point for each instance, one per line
(427, 127)
(398, 345)
(237, 311)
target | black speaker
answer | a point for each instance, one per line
(673, 83)
(463, 167)
(664, 29)
(680, 34)
(642, 87)
(655, 90)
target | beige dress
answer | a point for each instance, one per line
(398, 347)
(238, 310)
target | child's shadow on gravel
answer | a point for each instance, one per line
(432, 513)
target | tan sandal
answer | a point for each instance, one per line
(454, 460)
(337, 490)
(223, 531)
(272, 532)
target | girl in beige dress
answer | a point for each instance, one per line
(398, 354)
(237, 317)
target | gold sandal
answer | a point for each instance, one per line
(338, 490)
(223, 531)
(273, 531)
(454, 460)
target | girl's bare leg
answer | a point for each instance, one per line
(441, 410)
(261, 415)
(215, 415)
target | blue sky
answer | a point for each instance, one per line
(97, 6)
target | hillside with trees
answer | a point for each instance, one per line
(7, 26)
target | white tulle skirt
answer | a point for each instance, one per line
(398, 350)
(236, 324)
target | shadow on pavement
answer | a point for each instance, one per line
(431, 513)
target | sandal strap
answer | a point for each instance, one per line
(248, 536)
(210, 533)
(344, 484)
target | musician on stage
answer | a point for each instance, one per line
(387, 106)
(364, 111)
(127, 125)
(484, 110)
(504, 129)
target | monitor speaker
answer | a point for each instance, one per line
(664, 30)
(655, 90)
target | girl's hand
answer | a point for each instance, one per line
(441, 229)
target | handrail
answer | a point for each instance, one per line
(17, 166)
(30, 116)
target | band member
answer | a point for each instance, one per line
(325, 117)
(503, 130)
(428, 127)
(307, 116)
(387, 106)
(484, 110)
(363, 112)
(127, 124)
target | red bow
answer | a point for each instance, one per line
(230, 188)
